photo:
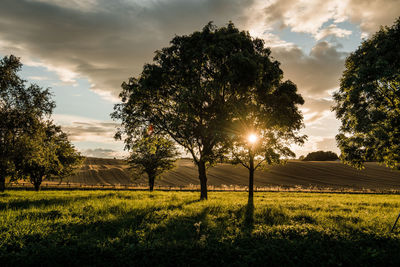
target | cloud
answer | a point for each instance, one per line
(81, 129)
(316, 143)
(38, 78)
(304, 16)
(109, 41)
(372, 14)
(104, 41)
(310, 16)
(315, 74)
(316, 109)
(332, 30)
(101, 153)
(82, 5)
(327, 144)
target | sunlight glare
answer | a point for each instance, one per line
(252, 138)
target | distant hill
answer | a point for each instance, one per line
(330, 174)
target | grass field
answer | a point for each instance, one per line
(172, 228)
(333, 175)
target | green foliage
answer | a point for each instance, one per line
(152, 154)
(368, 101)
(125, 227)
(47, 153)
(31, 147)
(197, 87)
(20, 108)
(272, 115)
(321, 156)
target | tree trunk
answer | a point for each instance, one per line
(151, 182)
(37, 181)
(2, 184)
(37, 186)
(251, 184)
(203, 179)
(251, 177)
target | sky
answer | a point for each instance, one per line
(84, 49)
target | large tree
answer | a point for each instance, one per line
(20, 107)
(193, 88)
(152, 154)
(368, 101)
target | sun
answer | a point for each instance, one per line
(252, 138)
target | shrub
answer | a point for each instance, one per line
(321, 156)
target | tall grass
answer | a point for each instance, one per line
(173, 228)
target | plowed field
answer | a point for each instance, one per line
(97, 171)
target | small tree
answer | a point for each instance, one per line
(368, 101)
(152, 154)
(20, 107)
(47, 153)
(267, 124)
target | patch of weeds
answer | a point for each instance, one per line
(389, 205)
(304, 218)
(272, 216)
(48, 215)
(117, 209)
(88, 208)
(341, 219)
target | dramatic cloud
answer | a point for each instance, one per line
(81, 129)
(310, 15)
(109, 41)
(105, 41)
(304, 16)
(316, 73)
(101, 153)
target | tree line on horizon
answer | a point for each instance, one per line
(220, 95)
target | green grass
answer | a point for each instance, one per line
(173, 228)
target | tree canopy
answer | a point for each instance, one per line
(152, 154)
(29, 142)
(47, 153)
(195, 88)
(368, 101)
(20, 109)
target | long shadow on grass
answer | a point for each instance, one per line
(44, 202)
(207, 236)
(248, 220)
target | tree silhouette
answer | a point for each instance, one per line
(267, 123)
(193, 89)
(321, 156)
(152, 154)
(368, 101)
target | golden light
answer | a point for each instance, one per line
(252, 138)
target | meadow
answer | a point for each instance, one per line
(108, 228)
